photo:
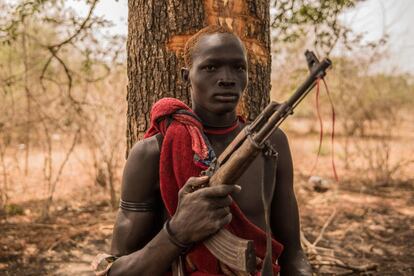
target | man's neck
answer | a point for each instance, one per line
(213, 120)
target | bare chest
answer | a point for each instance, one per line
(250, 198)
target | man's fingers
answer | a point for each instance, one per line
(194, 183)
(219, 191)
(222, 212)
(222, 202)
(226, 220)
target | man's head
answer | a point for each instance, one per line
(216, 69)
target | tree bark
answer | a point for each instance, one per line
(157, 32)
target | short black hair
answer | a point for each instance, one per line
(191, 43)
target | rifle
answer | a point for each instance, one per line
(233, 251)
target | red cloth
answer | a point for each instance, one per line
(168, 107)
(181, 141)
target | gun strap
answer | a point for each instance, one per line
(268, 186)
(178, 267)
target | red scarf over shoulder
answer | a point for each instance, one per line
(183, 141)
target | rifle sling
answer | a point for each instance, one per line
(268, 176)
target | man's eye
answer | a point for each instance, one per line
(209, 68)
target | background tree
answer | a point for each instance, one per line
(56, 84)
(319, 21)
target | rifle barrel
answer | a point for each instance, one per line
(317, 72)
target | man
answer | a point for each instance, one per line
(216, 73)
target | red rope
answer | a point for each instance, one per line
(321, 128)
(333, 130)
(320, 125)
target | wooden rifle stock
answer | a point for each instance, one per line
(233, 251)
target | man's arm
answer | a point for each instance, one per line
(133, 230)
(141, 247)
(285, 214)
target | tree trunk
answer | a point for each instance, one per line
(157, 32)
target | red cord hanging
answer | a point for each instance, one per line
(321, 128)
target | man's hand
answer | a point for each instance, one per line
(203, 212)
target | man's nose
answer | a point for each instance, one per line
(227, 78)
(226, 83)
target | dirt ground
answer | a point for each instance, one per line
(349, 228)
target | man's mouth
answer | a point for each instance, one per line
(226, 97)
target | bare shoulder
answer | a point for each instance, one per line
(280, 141)
(133, 230)
(140, 177)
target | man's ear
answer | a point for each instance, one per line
(185, 72)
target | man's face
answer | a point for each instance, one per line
(218, 75)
